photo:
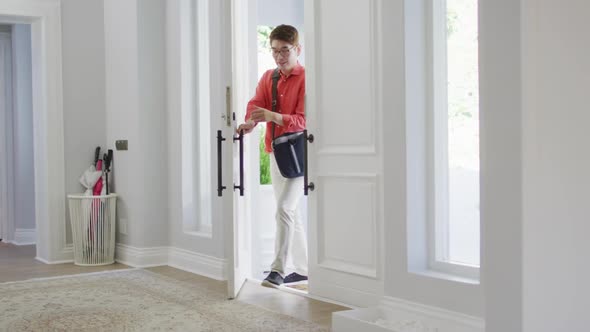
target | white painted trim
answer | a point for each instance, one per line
(25, 237)
(6, 127)
(67, 252)
(141, 257)
(48, 125)
(455, 269)
(65, 261)
(212, 267)
(342, 294)
(208, 266)
(399, 315)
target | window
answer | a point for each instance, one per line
(197, 189)
(453, 145)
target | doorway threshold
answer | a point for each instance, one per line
(306, 294)
(289, 289)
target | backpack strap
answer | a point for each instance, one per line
(275, 79)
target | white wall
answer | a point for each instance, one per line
(180, 56)
(84, 89)
(135, 100)
(556, 162)
(501, 163)
(534, 73)
(152, 142)
(122, 111)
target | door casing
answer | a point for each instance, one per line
(48, 125)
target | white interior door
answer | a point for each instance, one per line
(345, 159)
(238, 231)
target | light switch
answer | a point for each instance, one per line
(121, 144)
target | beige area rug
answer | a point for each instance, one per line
(130, 300)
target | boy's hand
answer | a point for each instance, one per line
(264, 115)
(246, 127)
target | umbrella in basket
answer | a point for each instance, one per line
(94, 223)
(108, 159)
(91, 175)
(98, 187)
(95, 213)
(98, 205)
(91, 179)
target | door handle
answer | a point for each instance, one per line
(240, 138)
(307, 186)
(220, 185)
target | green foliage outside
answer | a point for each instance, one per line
(462, 57)
(264, 47)
(264, 161)
(263, 35)
(452, 21)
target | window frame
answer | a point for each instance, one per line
(196, 125)
(437, 147)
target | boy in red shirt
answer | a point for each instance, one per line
(289, 117)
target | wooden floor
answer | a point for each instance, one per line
(19, 263)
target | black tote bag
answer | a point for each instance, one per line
(288, 151)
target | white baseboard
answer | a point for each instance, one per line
(54, 262)
(353, 297)
(65, 256)
(208, 266)
(25, 236)
(204, 265)
(141, 257)
(400, 315)
(193, 262)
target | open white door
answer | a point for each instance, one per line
(345, 159)
(221, 88)
(239, 250)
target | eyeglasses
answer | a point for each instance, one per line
(284, 51)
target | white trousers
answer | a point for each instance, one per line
(290, 235)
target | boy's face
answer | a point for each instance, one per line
(285, 54)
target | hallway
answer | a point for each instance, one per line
(17, 263)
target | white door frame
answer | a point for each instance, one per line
(6, 173)
(48, 125)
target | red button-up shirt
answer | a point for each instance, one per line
(290, 102)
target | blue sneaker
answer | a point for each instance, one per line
(294, 277)
(273, 280)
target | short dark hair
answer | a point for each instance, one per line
(286, 33)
